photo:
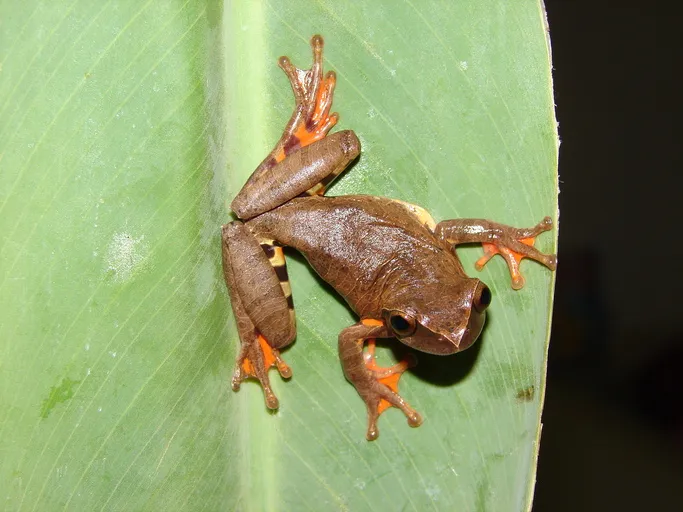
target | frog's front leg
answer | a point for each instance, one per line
(261, 301)
(378, 387)
(511, 243)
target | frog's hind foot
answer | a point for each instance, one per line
(261, 301)
(253, 361)
(313, 94)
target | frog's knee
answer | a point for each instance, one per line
(349, 143)
(231, 230)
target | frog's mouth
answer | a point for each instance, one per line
(446, 343)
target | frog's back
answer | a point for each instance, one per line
(339, 224)
(354, 242)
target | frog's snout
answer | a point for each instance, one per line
(473, 329)
(480, 302)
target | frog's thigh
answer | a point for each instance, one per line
(256, 280)
(305, 170)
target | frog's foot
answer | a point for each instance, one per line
(313, 93)
(254, 360)
(516, 244)
(382, 392)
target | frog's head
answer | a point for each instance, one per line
(443, 319)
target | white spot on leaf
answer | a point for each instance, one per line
(125, 256)
(433, 491)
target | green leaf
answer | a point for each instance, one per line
(126, 128)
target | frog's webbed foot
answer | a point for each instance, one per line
(313, 93)
(377, 386)
(253, 361)
(513, 244)
(519, 244)
(382, 399)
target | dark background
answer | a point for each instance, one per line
(613, 420)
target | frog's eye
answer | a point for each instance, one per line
(482, 298)
(401, 324)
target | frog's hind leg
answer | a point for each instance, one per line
(258, 285)
(331, 146)
(305, 160)
(305, 172)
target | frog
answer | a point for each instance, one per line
(396, 268)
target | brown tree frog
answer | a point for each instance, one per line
(394, 266)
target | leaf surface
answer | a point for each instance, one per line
(126, 128)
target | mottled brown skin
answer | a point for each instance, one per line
(393, 265)
(381, 258)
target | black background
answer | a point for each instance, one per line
(613, 420)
